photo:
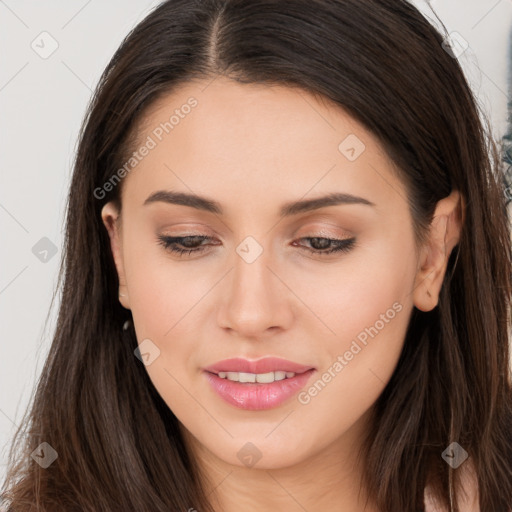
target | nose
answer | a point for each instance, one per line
(255, 300)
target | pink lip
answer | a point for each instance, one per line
(255, 396)
(265, 365)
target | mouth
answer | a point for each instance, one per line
(260, 378)
(257, 385)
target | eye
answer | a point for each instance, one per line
(182, 245)
(172, 243)
(321, 245)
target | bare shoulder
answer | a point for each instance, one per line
(468, 498)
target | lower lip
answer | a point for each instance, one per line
(254, 396)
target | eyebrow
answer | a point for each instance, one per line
(288, 209)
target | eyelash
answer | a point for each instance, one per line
(170, 242)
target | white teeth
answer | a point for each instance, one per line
(245, 377)
(267, 378)
(263, 378)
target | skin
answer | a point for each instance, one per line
(252, 148)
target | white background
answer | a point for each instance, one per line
(42, 103)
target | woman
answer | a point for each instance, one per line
(286, 276)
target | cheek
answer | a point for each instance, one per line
(164, 308)
(349, 296)
(161, 288)
(163, 301)
(368, 307)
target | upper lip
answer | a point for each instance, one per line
(265, 365)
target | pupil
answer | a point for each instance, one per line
(191, 241)
(321, 243)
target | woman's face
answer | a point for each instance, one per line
(263, 159)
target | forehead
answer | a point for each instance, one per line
(246, 142)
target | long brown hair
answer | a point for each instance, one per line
(119, 446)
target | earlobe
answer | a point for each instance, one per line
(444, 235)
(111, 219)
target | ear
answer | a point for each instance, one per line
(112, 220)
(445, 231)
